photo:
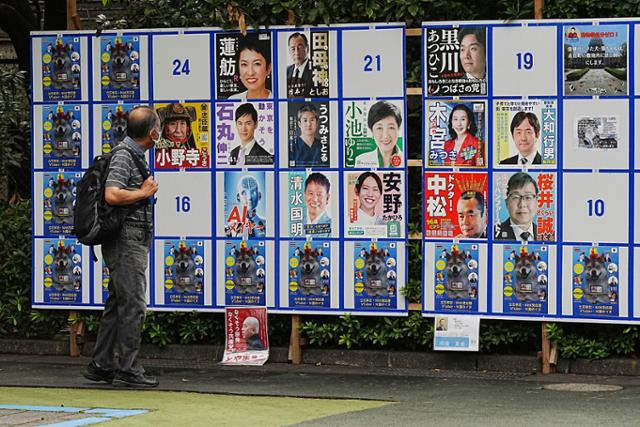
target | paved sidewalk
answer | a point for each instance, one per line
(419, 395)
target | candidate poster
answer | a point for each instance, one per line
(120, 67)
(244, 134)
(595, 60)
(375, 275)
(524, 206)
(245, 267)
(243, 66)
(61, 68)
(183, 271)
(456, 277)
(62, 136)
(373, 134)
(247, 339)
(311, 203)
(59, 199)
(309, 134)
(525, 279)
(308, 64)
(245, 204)
(186, 136)
(310, 265)
(455, 205)
(63, 271)
(525, 132)
(375, 204)
(456, 133)
(456, 61)
(113, 125)
(595, 281)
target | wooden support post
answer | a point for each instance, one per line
(73, 21)
(548, 362)
(295, 352)
(538, 8)
(76, 334)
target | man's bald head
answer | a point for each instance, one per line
(250, 326)
(141, 121)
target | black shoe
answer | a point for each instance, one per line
(96, 373)
(123, 379)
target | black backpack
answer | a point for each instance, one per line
(97, 222)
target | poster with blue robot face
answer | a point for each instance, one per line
(595, 273)
(525, 279)
(59, 199)
(309, 277)
(61, 68)
(375, 275)
(120, 67)
(245, 265)
(62, 271)
(61, 136)
(184, 272)
(456, 278)
(245, 204)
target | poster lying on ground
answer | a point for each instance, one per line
(247, 340)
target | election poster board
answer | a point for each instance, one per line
(530, 169)
(257, 202)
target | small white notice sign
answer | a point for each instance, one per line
(456, 333)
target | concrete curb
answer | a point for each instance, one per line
(177, 354)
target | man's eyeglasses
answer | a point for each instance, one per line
(517, 198)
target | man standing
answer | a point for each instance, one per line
(126, 257)
(471, 216)
(522, 204)
(299, 76)
(525, 131)
(249, 152)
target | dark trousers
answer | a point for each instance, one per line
(125, 308)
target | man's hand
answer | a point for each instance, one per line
(149, 187)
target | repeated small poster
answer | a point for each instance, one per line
(61, 68)
(375, 204)
(309, 278)
(456, 61)
(120, 67)
(245, 267)
(375, 275)
(595, 60)
(245, 205)
(247, 339)
(105, 278)
(456, 277)
(113, 121)
(525, 132)
(373, 134)
(525, 279)
(63, 270)
(184, 272)
(456, 133)
(243, 66)
(308, 72)
(186, 136)
(308, 134)
(455, 205)
(595, 281)
(244, 134)
(59, 199)
(312, 203)
(62, 136)
(524, 206)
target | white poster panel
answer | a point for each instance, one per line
(183, 205)
(596, 134)
(227, 279)
(309, 275)
(636, 200)
(373, 63)
(181, 66)
(524, 61)
(593, 209)
(374, 275)
(524, 282)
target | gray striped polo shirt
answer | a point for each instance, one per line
(123, 173)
